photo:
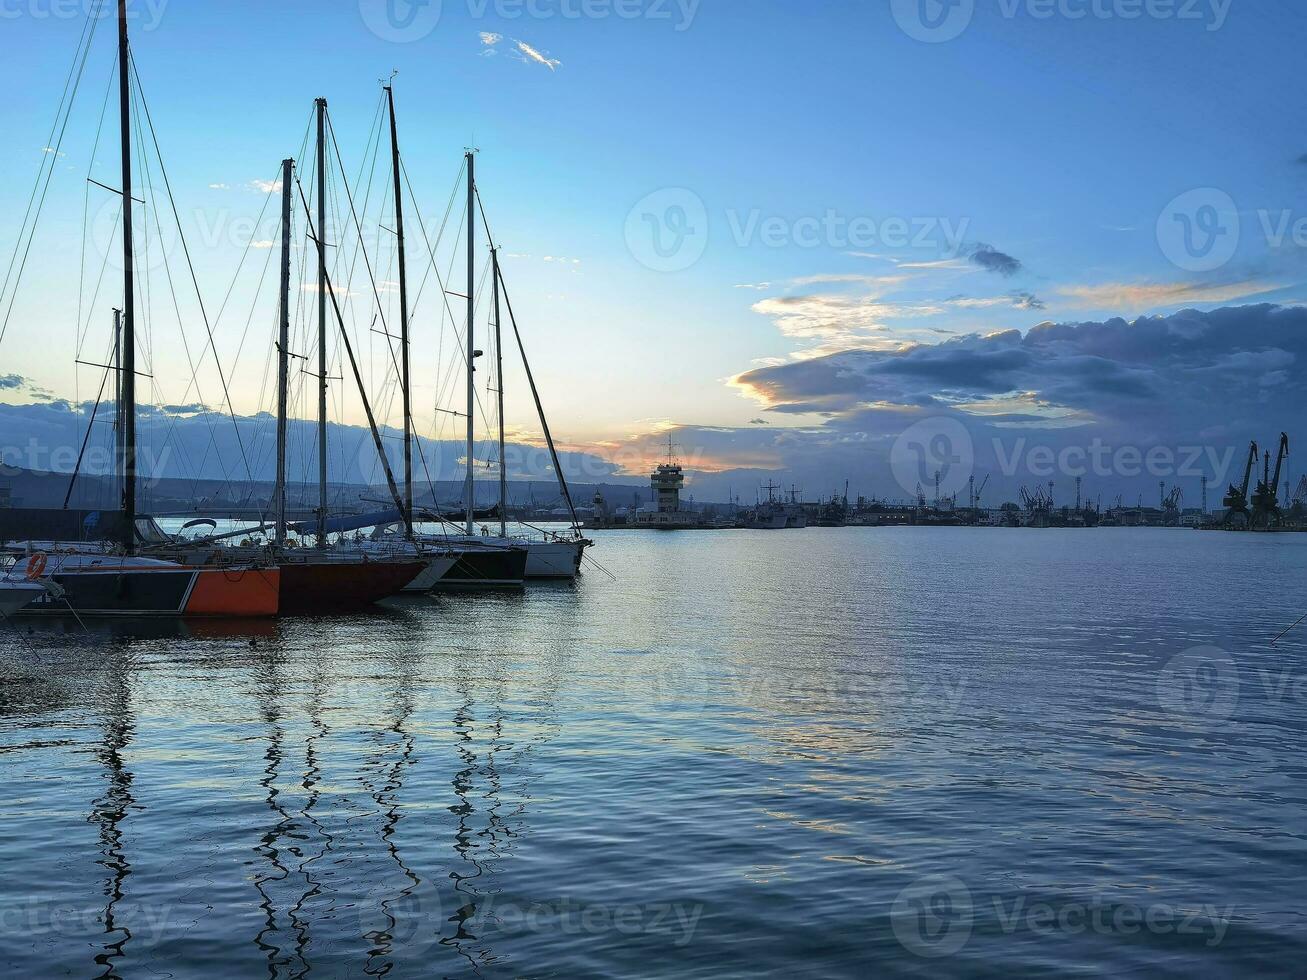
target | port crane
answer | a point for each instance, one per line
(1266, 503)
(1236, 499)
(1171, 506)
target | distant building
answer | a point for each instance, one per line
(666, 514)
(6, 498)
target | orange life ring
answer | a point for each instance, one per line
(36, 566)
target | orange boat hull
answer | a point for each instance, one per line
(253, 593)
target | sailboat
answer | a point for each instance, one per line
(478, 562)
(549, 556)
(123, 582)
(326, 578)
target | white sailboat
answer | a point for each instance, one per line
(549, 555)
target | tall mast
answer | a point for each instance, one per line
(499, 387)
(471, 343)
(540, 408)
(128, 461)
(403, 321)
(322, 323)
(118, 394)
(283, 354)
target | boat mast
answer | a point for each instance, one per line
(128, 459)
(471, 345)
(540, 408)
(499, 386)
(403, 322)
(322, 322)
(118, 393)
(283, 354)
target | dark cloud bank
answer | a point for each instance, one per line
(1209, 380)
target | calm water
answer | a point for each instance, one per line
(814, 753)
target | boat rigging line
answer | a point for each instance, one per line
(530, 376)
(358, 377)
(52, 151)
(186, 251)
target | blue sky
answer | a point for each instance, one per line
(1026, 170)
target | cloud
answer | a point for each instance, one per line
(836, 317)
(920, 264)
(759, 286)
(219, 187)
(9, 382)
(1138, 297)
(489, 39)
(848, 277)
(266, 186)
(1187, 371)
(1019, 299)
(934, 264)
(992, 260)
(181, 442)
(529, 54)
(51, 151)
(759, 422)
(1194, 385)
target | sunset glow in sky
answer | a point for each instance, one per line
(784, 231)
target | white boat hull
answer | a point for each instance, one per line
(15, 596)
(554, 559)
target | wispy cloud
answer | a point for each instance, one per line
(848, 277)
(219, 187)
(1136, 297)
(530, 54)
(759, 286)
(1018, 299)
(266, 186)
(489, 39)
(834, 320)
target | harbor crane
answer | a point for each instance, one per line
(1236, 499)
(1266, 503)
(1171, 506)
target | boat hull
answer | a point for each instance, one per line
(179, 591)
(15, 596)
(332, 586)
(554, 559)
(486, 568)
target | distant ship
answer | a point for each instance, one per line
(769, 515)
